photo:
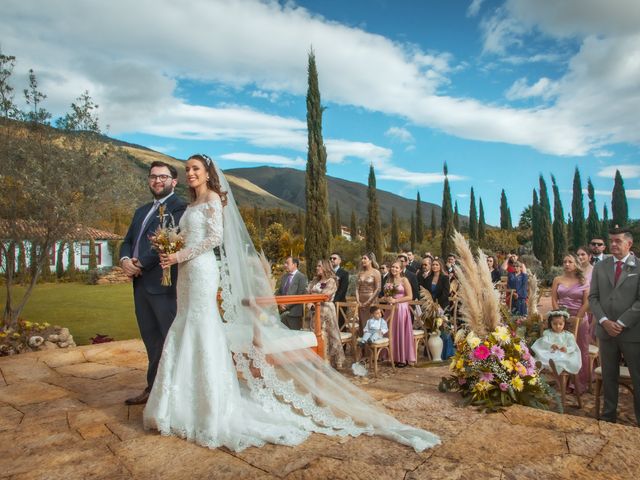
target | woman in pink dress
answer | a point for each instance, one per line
(584, 258)
(571, 291)
(402, 346)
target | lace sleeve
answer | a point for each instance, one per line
(213, 237)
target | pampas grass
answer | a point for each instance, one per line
(470, 288)
(490, 297)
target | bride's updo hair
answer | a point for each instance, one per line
(213, 182)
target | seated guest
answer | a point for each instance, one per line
(494, 269)
(423, 273)
(437, 282)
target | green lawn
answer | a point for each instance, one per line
(84, 309)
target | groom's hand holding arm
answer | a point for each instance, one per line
(131, 266)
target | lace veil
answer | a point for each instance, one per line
(301, 380)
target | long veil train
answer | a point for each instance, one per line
(302, 381)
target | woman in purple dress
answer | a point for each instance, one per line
(398, 292)
(571, 291)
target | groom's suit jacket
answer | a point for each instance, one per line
(151, 270)
(617, 302)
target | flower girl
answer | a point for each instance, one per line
(557, 347)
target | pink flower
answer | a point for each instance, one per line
(504, 387)
(486, 377)
(481, 352)
(462, 381)
(497, 352)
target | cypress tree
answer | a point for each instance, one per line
(593, 222)
(446, 222)
(93, 261)
(535, 224)
(71, 261)
(619, 206)
(473, 218)
(419, 224)
(22, 263)
(482, 226)
(569, 228)
(338, 219)
(354, 226)
(412, 235)
(395, 232)
(334, 224)
(300, 223)
(559, 228)
(456, 218)
(317, 228)
(373, 232)
(505, 212)
(433, 223)
(577, 213)
(604, 229)
(546, 237)
(59, 260)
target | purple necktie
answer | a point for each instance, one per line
(285, 289)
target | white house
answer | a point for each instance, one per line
(79, 244)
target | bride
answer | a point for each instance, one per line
(214, 384)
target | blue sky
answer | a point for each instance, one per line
(500, 90)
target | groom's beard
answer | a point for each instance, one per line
(163, 193)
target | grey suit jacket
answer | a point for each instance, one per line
(298, 286)
(617, 302)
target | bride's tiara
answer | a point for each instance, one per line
(204, 157)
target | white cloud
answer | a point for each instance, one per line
(264, 159)
(627, 171)
(520, 89)
(635, 194)
(474, 8)
(462, 195)
(131, 64)
(599, 193)
(400, 133)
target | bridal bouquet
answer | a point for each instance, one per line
(166, 239)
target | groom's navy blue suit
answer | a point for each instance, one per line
(155, 305)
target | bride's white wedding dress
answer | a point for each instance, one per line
(197, 394)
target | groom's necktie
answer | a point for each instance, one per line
(618, 272)
(153, 209)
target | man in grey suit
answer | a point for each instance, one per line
(293, 282)
(615, 302)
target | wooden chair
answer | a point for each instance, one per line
(385, 343)
(594, 358)
(419, 334)
(348, 313)
(562, 379)
(624, 379)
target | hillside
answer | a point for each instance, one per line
(289, 185)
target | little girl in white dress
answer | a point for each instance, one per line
(558, 345)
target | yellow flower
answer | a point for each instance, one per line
(521, 369)
(502, 334)
(533, 381)
(482, 386)
(517, 384)
(473, 340)
(460, 363)
(517, 347)
(46, 324)
(507, 364)
(16, 335)
(3, 334)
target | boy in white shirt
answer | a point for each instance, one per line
(376, 327)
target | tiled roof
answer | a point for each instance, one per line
(26, 229)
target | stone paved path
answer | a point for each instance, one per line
(62, 416)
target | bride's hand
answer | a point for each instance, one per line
(166, 260)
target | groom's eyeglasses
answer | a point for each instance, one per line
(162, 178)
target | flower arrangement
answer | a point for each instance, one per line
(492, 367)
(495, 371)
(390, 289)
(166, 239)
(25, 337)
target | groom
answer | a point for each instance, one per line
(155, 305)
